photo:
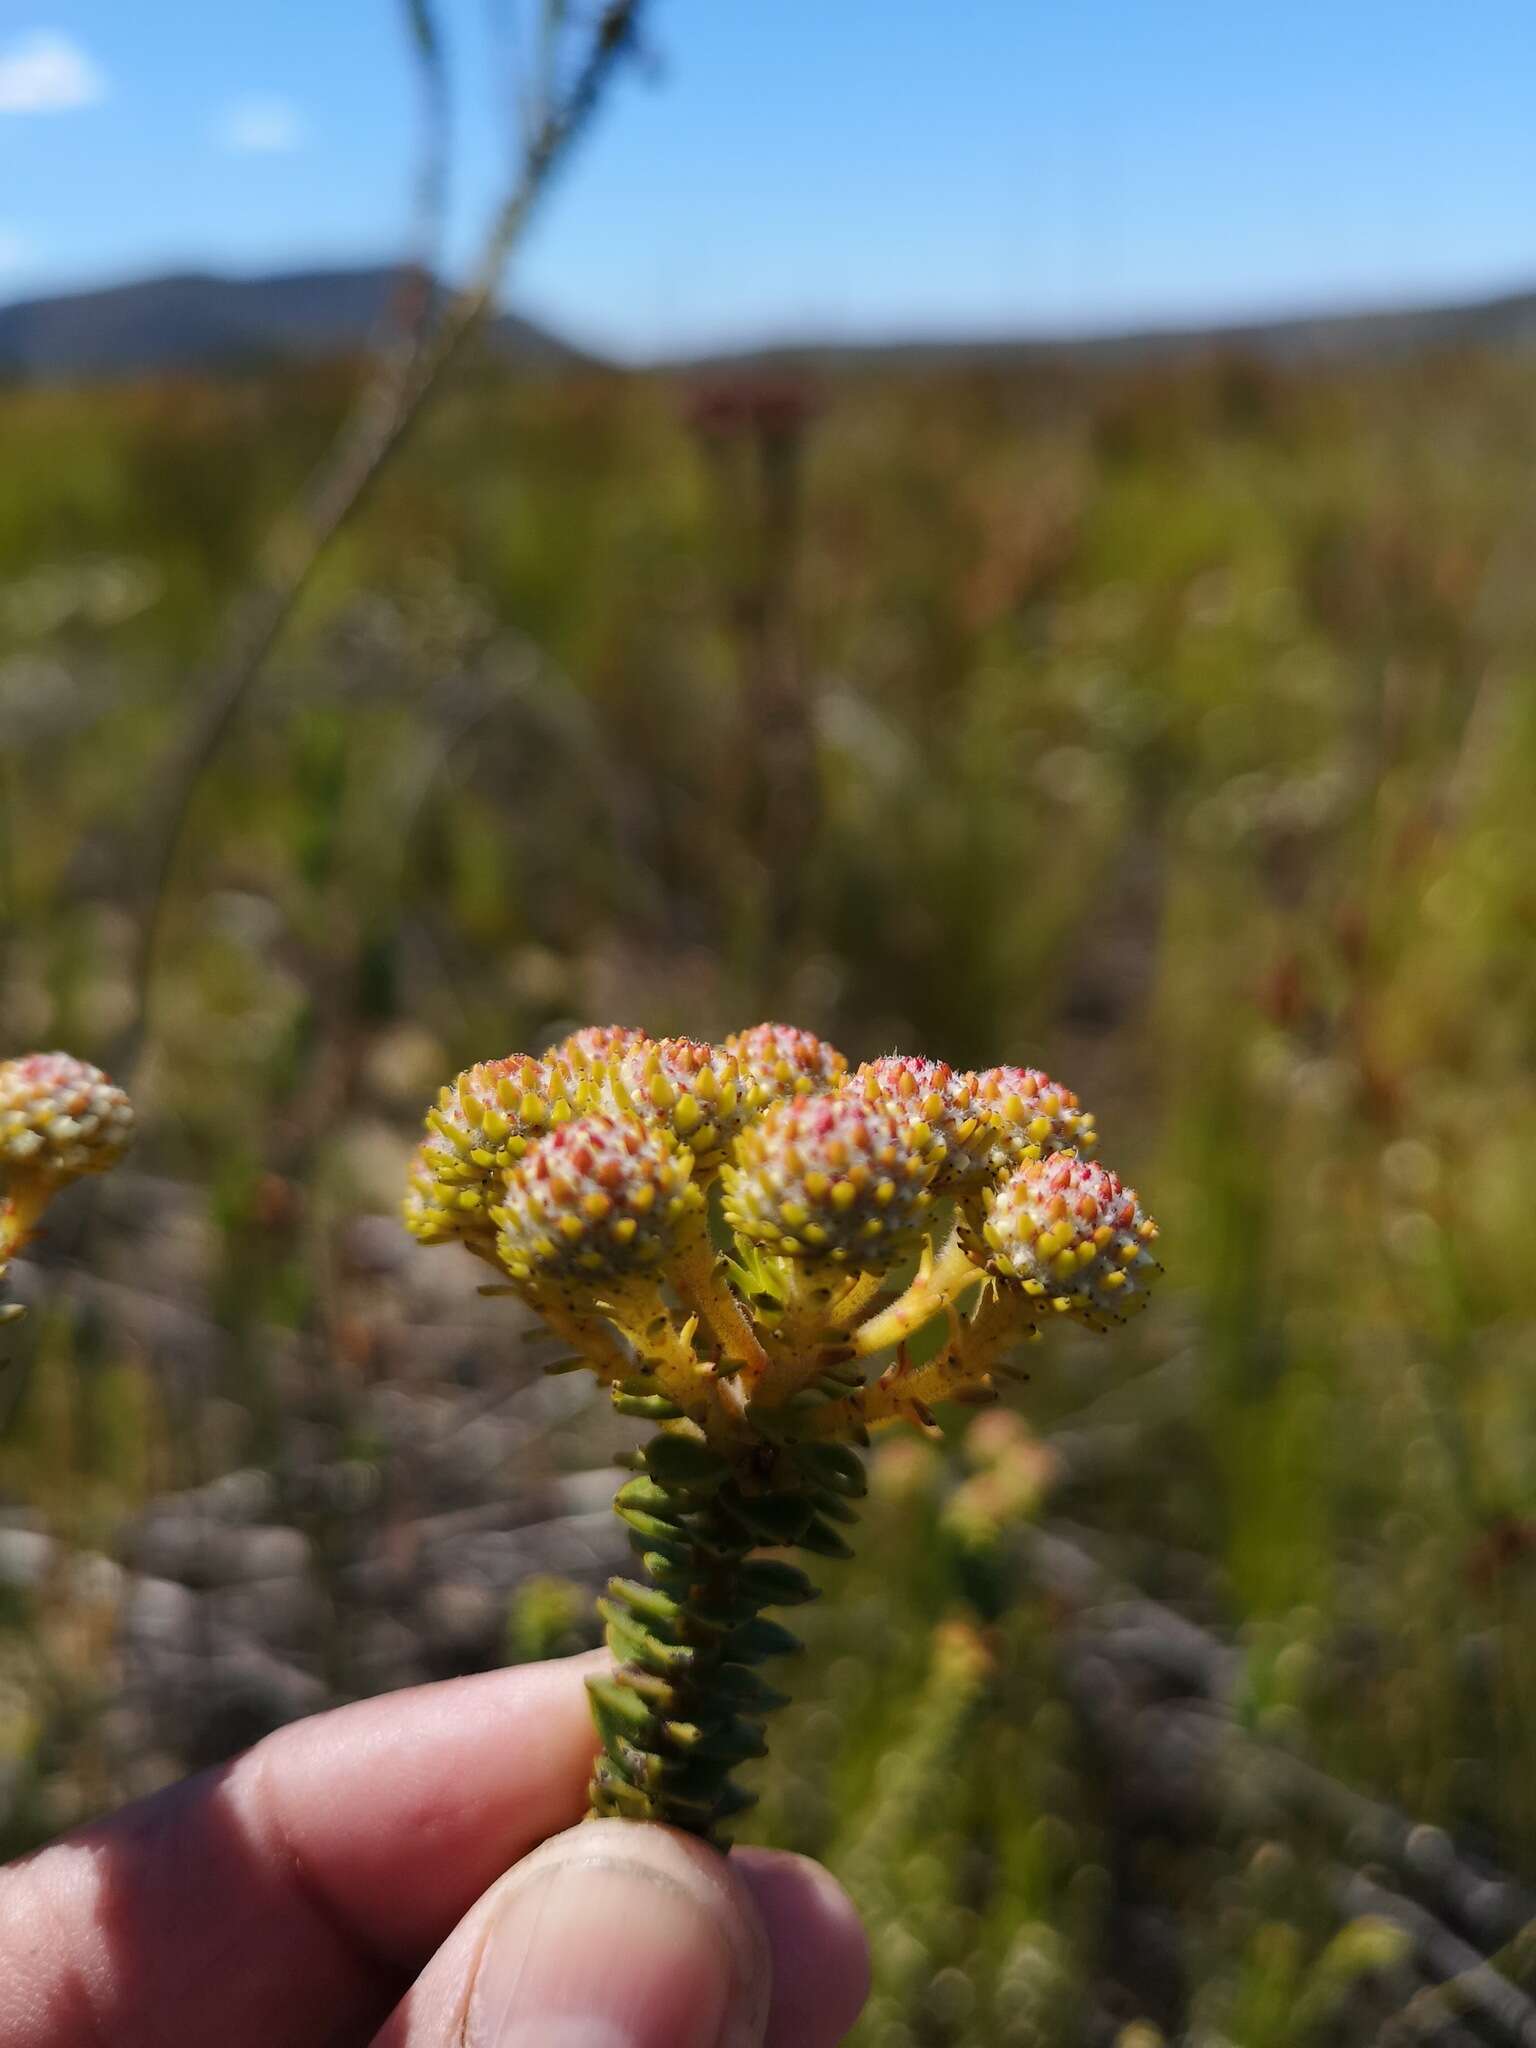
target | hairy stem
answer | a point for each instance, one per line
(20, 1209)
(700, 1279)
(595, 1338)
(962, 1369)
(663, 1355)
(940, 1282)
(861, 1291)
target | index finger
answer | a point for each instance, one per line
(283, 1899)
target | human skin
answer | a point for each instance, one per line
(410, 1872)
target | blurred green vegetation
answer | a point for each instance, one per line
(1175, 731)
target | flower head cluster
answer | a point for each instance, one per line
(1067, 1230)
(681, 1086)
(781, 1059)
(1024, 1115)
(589, 1165)
(481, 1124)
(585, 1175)
(841, 1177)
(580, 1164)
(594, 1200)
(1031, 1115)
(430, 1215)
(592, 1048)
(947, 1103)
(60, 1118)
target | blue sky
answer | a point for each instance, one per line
(828, 166)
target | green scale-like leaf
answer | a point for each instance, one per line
(685, 1705)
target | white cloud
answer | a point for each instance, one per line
(266, 127)
(45, 73)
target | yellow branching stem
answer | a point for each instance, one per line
(854, 1300)
(696, 1271)
(15, 1234)
(939, 1283)
(962, 1371)
(593, 1338)
(19, 1215)
(661, 1347)
(803, 1339)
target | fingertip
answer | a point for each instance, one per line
(820, 1950)
(616, 1933)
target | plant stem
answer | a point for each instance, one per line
(860, 1293)
(700, 1279)
(19, 1211)
(939, 1283)
(593, 1337)
(1003, 1319)
(383, 413)
(686, 1705)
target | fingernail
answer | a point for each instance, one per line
(620, 1936)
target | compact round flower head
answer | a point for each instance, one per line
(482, 1123)
(1068, 1231)
(760, 1371)
(592, 1047)
(931, 1092)
(781, 1059)
(681, 1086)
(60, 1118)
(428, 1216)
(595, 1201)
(1031, 1115)
(839, 1177)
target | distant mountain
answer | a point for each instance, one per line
(206, 322)
(198, 322)
(1496, 323)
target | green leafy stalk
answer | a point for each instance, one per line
(686, 1703)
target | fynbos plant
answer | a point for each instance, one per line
(59, 1119)
(715, 1230)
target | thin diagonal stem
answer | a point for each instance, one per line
(406, 378)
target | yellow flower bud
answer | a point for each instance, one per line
(1066, 1227)
(836, 1177)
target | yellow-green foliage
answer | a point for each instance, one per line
(1181, 723)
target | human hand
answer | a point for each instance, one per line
(342, 1883)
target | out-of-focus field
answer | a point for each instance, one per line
(1174, 731)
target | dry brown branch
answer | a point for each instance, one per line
(405, 378)
(436, 152)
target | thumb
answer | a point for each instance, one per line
(612, 1935)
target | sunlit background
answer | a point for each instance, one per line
(1121, 675)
